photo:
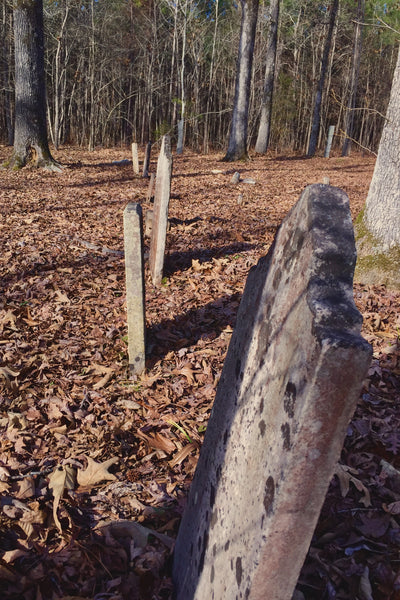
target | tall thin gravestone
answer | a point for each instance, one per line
(135, 158)
(290, 383)
(146, 162)
(135, 291)
(160, 211)
(331, 132)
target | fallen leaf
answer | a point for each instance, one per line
(60, 479)
(158, 441)
(182, 454)
(96, 472)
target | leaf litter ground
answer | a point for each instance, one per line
(95, 468)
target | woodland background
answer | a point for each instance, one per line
(88, 458)
(119, 70)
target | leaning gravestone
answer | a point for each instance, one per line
(289, 386)
(160, 211)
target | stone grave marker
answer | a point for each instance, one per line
(135, 158)
(331, 133)
(150, 189)
(146, 162)
(135, 291)
(289, 386)
(160, 211)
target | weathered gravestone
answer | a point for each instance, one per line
(160, 211)
(135, 158)
(135, 292)
(146, 162)
(290, 383)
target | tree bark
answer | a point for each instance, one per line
(312, 146)
(264, 128)
(355, 66)
(378, 227)
(5, 71)
(30, 141)
(237, 147)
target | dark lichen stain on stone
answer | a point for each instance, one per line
(261, 409)
(289, 399)
(212, 496)
(269, 495)
(262, 427)
(239, 570)
(203, 554)
(212, 574)
(214, 550)
(226, 547)
(285, 429)
(238, 367)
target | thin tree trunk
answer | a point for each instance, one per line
(264, 128)
(210, 82)
(355, 66)
(312, 146)
(237, 147)
(181, 123)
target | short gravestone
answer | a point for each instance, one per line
(289, 386)
(135, 291)
(160, 211)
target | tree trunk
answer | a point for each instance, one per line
(378, 226)
(312, 146)
(181, 123)
(237, 147)
(30, 93)
(266, 106)
(355, 65)
(6, 49)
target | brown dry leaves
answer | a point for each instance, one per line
(94, 468)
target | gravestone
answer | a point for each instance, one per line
(150, 189)
(160, 211)
(290, 383)
(146, 162)
(135, 291)
(331, 133)
(135, 158)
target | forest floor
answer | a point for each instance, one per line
(94, 467)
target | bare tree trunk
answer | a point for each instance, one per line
(6, 48)
(237, 147)
(264, 128)
(355, 65)
(30, 92)
(312, 146)
(92, 68)
(378, 229)
(181, 123)
(210, 82)
(58, 83)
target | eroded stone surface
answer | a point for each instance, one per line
(160, 212)
(290, 382)
(135, 296)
